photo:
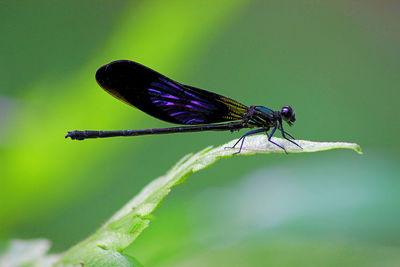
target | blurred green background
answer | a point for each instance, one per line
(336, 62)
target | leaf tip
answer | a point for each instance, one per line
(357, 148)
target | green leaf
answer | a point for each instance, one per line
(106, 246)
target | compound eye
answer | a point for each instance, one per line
(287, 111)
(288, 114)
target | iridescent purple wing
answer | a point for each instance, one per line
(164, 98)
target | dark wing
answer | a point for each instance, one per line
(164, 98)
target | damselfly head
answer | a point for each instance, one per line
(288, 115)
